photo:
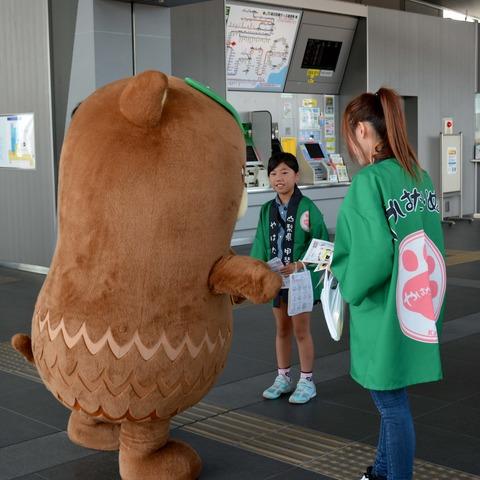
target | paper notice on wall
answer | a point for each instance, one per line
(452, 160)
(309, 102)
(309, 118)
(329, 127)
(17, 141)
(329, 103)
(330, 144)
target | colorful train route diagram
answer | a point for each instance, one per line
(259, 43)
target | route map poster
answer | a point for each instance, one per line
(17, 141)
(259, 45)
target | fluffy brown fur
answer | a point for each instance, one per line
(129, 329)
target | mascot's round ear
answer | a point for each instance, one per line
(142, 100)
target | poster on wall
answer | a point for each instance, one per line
(259, 45)
(329, 126)
(452, 161)
(17, 141)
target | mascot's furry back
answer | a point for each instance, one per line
(133, 323)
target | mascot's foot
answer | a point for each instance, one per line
(89, 432)
(145, 454)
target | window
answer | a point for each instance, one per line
(457, 16)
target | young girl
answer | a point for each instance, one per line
(389, 262)
(286, 226)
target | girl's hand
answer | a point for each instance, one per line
(291, 268)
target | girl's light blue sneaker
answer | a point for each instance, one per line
(280, 386)
(304, 392)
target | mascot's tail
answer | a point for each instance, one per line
(23, 344)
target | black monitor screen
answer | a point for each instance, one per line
(251, 157)
(314, 150)
(321, 54)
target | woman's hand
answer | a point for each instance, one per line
(291, 268)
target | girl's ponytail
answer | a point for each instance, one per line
(396, 131)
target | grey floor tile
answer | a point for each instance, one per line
(242, 393)
(438, 446)
(11, 384)
(466, 349)
(459, 382)
(337, 420)
(452, 418)
(249, 390)
(99, 466)
(473, 402)
(463, 282)
(446, 448)
(239, 367)
(39, 454)
(254, 333)
(461, 301)
(462, 236)
(39, 404)
(222, 462)
(461, 328)
(298, 474)
(465, 270)
(17, 428)
(345, 391)
(33, 476)
(219, 462)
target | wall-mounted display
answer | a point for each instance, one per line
(322, 55)
(17, 141)
(259, 45)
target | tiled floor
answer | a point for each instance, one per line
(34, 446)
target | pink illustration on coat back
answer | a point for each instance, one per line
(420, 287)
(417, 296)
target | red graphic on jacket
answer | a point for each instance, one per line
(420, 287)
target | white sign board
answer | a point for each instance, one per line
(17, 141)
(451, 156)
(259, 45)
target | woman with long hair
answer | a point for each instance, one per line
(389, 262)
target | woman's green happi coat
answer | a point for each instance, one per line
(389, 262)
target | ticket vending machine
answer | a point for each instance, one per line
(313, 164)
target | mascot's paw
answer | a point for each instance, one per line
(244, 277)
(266, 284)
(91, 433)
(174, 461)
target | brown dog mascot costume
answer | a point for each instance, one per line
(134, 321)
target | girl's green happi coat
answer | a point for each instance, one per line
(389, 262)
(308, 224)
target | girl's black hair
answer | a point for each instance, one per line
(282, 157)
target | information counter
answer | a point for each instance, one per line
(327, 198)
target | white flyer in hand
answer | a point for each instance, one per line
(320, 252)
(276, 265)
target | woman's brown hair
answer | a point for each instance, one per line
(383, 110)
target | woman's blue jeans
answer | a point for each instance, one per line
(396, 443)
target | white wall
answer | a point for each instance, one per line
(27, 210)
(433, 59)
